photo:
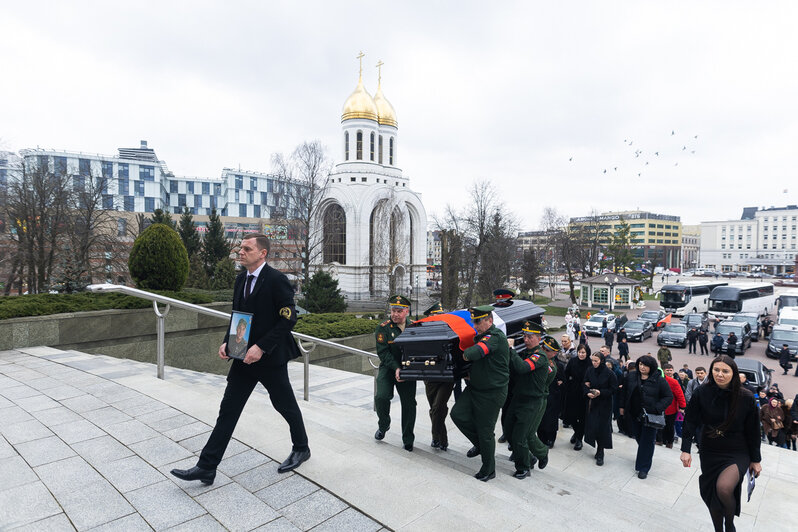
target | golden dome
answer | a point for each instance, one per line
(360, 104)
(385, 113)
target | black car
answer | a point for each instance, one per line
(755, 372)
(637, 330)
(674, 334)
(780, 335)
(653, 317)
(699, 321)
(740, 329)
(752, 319)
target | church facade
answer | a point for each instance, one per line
(371, 227)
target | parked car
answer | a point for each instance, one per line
(752, 319)
(637, 330)
(653, 317)
(592, 327)
(741, 329)
(674, 334)
(780, 335)
(699, 321)
(755, 372)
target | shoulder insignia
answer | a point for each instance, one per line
(386, 322)
(285, 312)
(486, 337)
(381, 338)
(534, 356)
(550, 369)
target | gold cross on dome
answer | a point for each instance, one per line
(360, 57)
(379, 72)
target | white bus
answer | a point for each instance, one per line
(749, 297)
(788, 298)
(683, 298)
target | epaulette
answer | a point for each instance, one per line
(386, 322)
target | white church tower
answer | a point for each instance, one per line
(373, 228)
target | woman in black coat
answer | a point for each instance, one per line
(650, 391)
(575, 399)
(727, 416)
(599, 386)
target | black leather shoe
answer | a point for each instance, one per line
(532, 462)
(435, 444)
(642, 474)
(599, 460)
(408, 447)
(444, 447)
(293, 461)
(472, 452)
(578, 445)
(485, 478)
(573, 439)
(380, 434)
(543, 462)
(521, 474)
(206, 476)
(502, 439)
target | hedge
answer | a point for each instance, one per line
(334, 325)
(46, 304)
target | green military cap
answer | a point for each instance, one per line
(482, 311)
(434, 309)
(399, 301)
(530, 327)
(550, 343)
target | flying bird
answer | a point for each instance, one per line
(570, 158)
(673, 132)
(605, 170)
(656, 153)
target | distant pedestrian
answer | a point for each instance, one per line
(609, 338)
(703, 338)
(731, 344)
(664, 355)
(784, 358)
(623, 350)
(692, 337)
(717, 343)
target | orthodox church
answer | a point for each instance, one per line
(372, 228)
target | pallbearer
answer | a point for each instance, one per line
(477, 409)
(388, 374)
(438, 394)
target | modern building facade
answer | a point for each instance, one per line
(762, 240)
(691, 246)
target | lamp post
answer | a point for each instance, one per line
(417, 291)
(612, 282)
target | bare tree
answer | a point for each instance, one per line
(302, 181)
(389, 251)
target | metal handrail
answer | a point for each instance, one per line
(176, 303)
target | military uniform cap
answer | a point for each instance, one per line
(399, 301)
(482, 311)
(550, 343)
(434, 309)
(503, 293)
(530, 327)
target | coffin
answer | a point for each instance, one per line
(432, 349)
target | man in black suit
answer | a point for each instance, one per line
(266, 293)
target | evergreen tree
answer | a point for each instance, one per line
(188, 233)
(224, 275)
(530, 271)
(162, 217)
(322, 294)
(197, 276)
(215, 246)
(158, 259)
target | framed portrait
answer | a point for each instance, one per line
(240, 327)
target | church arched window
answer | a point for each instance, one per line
(346, 145)
(334, 234)
(390, 151)
(372, 146)
(359, 146)
(379, 150)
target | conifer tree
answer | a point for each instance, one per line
(215, 246)
(188, 233)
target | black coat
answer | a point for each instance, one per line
(272, 304)
(549, 423)
(598, 420)
(784, 356)
(652, 393)
(575, 400)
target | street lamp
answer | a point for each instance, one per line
(612, 282)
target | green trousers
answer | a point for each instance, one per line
(386, 382)
(521, 429)
(475, 414)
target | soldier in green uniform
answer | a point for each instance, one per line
(438, 394)
(388, 374)
(533, 375)
(476, 410)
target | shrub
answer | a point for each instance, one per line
(158, 260)
(334, 325)
(322, 294)
(224, 275)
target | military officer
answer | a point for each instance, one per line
(476, 410)
(438, 394)
(533, 374)
(388, 374)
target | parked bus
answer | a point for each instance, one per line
(749, 297)
(788, 298)
(685, 298)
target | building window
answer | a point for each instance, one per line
(236, 198)
(206, 188)
(600, 295)
(372, 146)
(107, 170)
(359, 146)
(129, 203)
(242, 210)
(173, 187)
(181, 200)
(256, 209)
(263, 198)
(121, 227)
(253, 183)
(239, 182)
(78, 183)
(84, 167)
(190, 188)
(217, 189)
(197, 200)
(123, 171)
(346, 145)
(124, 187)
(59, 166)
(390, 151)
(147, 173)
(139, 188)
(250, 197)
(149, 204)
(334, 234)
(108, 202)
(379, 150)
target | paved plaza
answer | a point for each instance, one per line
(88, 440)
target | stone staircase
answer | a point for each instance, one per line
(433, 490)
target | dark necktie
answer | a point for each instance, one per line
(248, 287)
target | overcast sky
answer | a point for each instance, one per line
(690, 107)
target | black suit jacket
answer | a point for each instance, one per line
(274, 315)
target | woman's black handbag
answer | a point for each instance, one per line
(656, 421)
